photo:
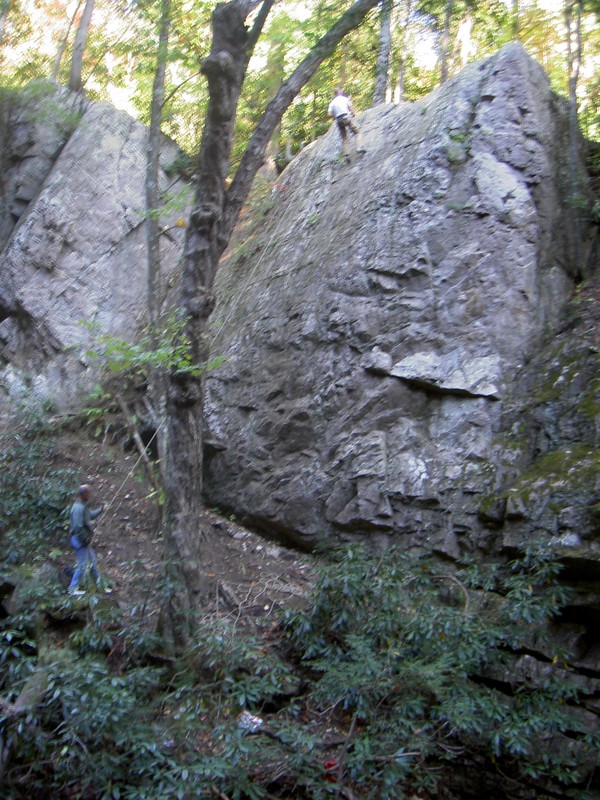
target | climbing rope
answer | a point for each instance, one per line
(232, 304)
(265, 250)
(128, 476)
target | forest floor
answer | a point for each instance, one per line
(250, 577)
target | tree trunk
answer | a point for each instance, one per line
(5, 6)
(515, 21)
(152, 169)
(156, 380)
(225, 69)
(276, 70)
(274, 111)
(573, 13)
(211, 225)
(445, 44)
(383, 56)
(464, 42)
(400, 83)
(314, 116)
(62, 46)
(75, 82)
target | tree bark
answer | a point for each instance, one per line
(75, 82)
(212, 221)
(62, 46)
(445, 45)
(573, 10)
(383, 56)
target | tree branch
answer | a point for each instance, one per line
(256, 30)
(254, 153)
(138, 441)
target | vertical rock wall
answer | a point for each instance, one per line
(410, 356)
(74, 248)
(374, 326)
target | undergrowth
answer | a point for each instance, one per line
(33, 493)
(396, 671)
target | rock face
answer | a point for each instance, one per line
(411, 341)
(377, 326)
(406, 359)
(73, 237)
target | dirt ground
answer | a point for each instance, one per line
(251, 576)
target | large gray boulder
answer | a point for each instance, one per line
(375, 327)
(74, 239)
(34, 127)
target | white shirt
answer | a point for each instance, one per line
(338, 106)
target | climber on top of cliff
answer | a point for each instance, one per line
(341, 110)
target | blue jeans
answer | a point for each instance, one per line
(86, 558)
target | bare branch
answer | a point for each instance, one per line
(256, 30)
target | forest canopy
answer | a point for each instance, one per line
(402, 51)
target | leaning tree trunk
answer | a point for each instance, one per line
(212, 221)
(75, 82)
(383, 56)
(254, 153)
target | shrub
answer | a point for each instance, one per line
(419, 658)
(33, 494)
(398, 669)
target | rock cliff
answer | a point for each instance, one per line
(393, 365)
(413, 355)
(380, 325)
(411, 341)
(72, 236)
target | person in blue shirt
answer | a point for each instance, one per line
(82, 532)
